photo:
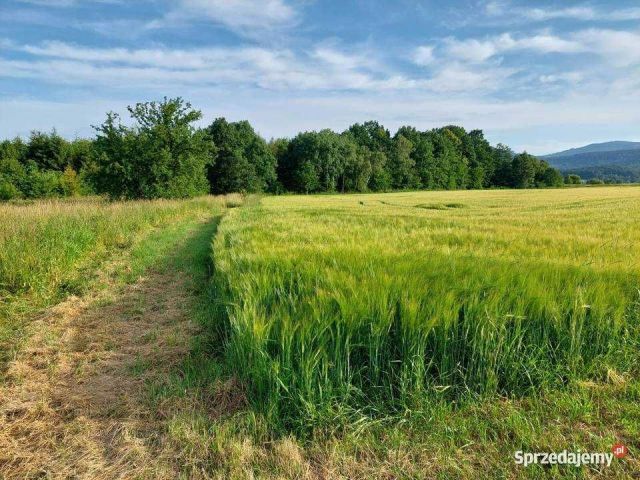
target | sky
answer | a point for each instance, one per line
(540, 76)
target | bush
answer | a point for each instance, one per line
(70, 183)
(40, 184)
(8, 191)
(572, 179)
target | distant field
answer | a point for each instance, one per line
(343, 306)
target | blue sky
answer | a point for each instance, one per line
(537, 75)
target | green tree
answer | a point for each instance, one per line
(79, 153)
(306, 177)
(162, 156)
(40, 183)
(70, 183)
(380, 179)
(8, 191)
(372, 135)
(523, 170)
(572, 179)
(11, 169)
(401, 165)
(550, 177)
(244, 161)
(457, 160)
(47, 150)
(595, 181)
(357, 170)
(326, 152)
(483, 165)
(502, 160)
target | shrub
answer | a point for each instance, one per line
(70, 183)
(8, 191)
(41, 184)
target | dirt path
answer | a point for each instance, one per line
(74, 402)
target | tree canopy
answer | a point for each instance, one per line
(163, 153)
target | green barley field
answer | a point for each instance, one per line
(361, 306)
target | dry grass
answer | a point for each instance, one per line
(73, 405)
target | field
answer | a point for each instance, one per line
(350, 306)
(51, 249)
(402, 335)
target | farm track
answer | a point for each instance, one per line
(73, 405)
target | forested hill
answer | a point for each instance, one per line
(605, 147)
(610, 161)
(161, 153)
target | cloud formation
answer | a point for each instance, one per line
(581, 12)
(290, 65)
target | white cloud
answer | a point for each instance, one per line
(423, 55)
(242, 13)
(616, 47)
(66, 3)
(474, 50)
(158, 57)
(494, 8)
(460, 78)
(582, 13)
(249, 18)
(579, 13)
(569, 77)
(331, 55)
(323, 68)
(510, 12)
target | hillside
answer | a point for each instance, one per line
(612, 161)
(614, 146)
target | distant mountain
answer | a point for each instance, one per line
(596, 147)
(611, 161)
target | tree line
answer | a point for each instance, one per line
(163, 154)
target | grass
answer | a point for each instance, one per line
(314, 257)
(52, 249)
(408, 335)
(354, 308)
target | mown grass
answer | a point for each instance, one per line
(51, 249)
(347, 309)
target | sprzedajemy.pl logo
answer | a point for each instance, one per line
(565, 457)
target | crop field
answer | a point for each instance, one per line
(398, 335)
(361, 306)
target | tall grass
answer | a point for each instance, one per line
(50, 248)
(343, 306)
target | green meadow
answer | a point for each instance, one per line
(50, 249)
